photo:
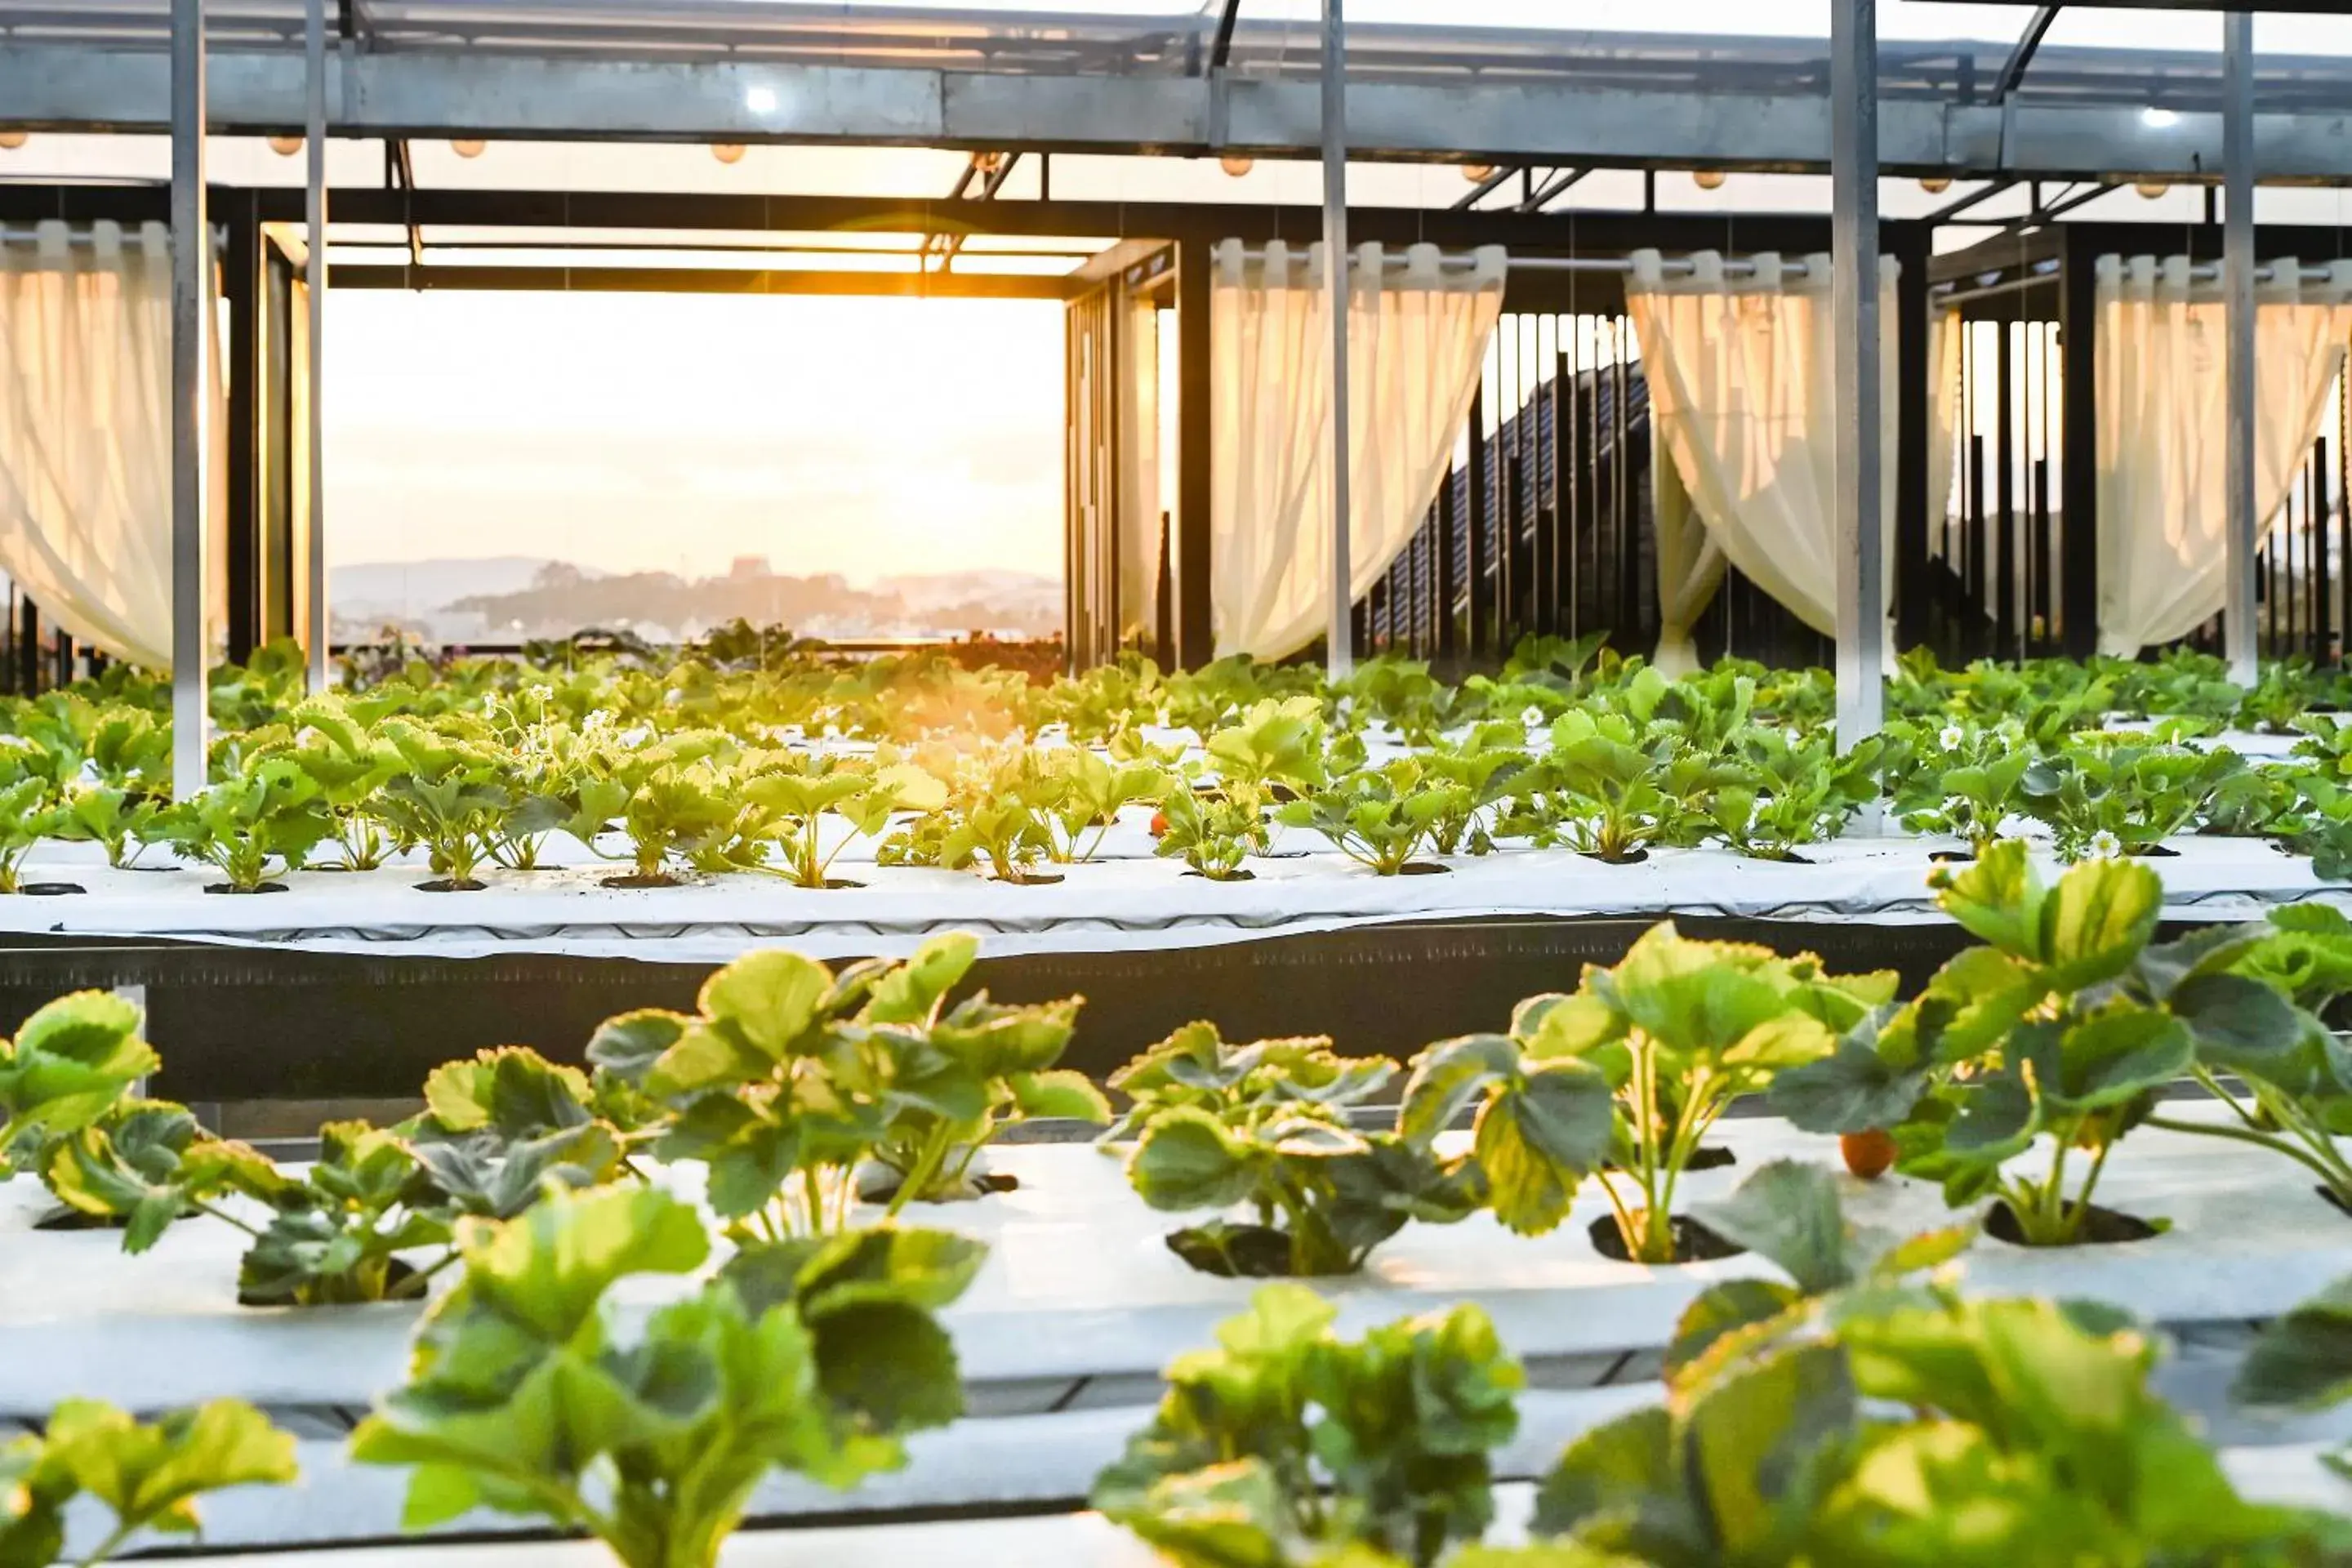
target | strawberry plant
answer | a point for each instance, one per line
(1379, 817)
(265, 817)
(1081, 795)
(2125, 795)
(1321, 1194)
(124, 824)
(1922, 1428)
(985, 1066)
(349, 767)
(1197, 1068)
(30, 812)
(447, 796)
(145, 1165)
(145, 1476)
(72, 1063)
(1793, 793)
(1543, 1123)
(790, 1077)
(1213, 834)
(864, 799)
(531, 1393)
(1286, 1440)
(2056, 1043)
(1678, 1030)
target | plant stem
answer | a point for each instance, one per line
(2272, 1141)
(106, 1548)
(2074, 1226)
(202, 1207)
(927, 1166)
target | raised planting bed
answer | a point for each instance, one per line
(1111, 905)
(1080, 1284)
(1071, 1539)
(242, 1025)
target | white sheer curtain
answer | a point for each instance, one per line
(1742, 375)
(2163, 566)
(1138, 501)
(86, 435)
(1947, 333)
(1417, 339)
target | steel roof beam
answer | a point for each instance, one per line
(67, 87)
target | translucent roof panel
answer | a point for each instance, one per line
(1737, 45)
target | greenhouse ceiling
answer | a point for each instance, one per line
(1491, 85)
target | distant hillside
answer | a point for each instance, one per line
(380, 590)
(514, 598)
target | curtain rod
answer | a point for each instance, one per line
(82, 239)
(1950, 292)
(1675, 267)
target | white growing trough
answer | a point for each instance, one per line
(1079, 1284)
(1126, 901)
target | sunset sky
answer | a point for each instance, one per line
(675, 432)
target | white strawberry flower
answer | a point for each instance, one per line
(2105, 845)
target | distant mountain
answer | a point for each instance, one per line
(381, 589)
(940, 590)
(514, 598)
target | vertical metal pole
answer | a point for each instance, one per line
(1853, 251)
(315, 631)
(192, 262)
(1340, 656)
(2240, 635)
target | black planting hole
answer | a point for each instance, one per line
(1694, 1242)
(2100, 1226)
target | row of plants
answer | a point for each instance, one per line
(815, 1103)
(811, 1103)
(2013, 1076)
(1863, 1411)
(481, 766)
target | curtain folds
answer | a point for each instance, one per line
(1742, 394)
(1417, 342)
(86, 435)
(1138, 502)
(2162, 551)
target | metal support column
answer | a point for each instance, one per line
(1339, 655)
(1915, 512)
(315, 635)
(1195, 636)
(1854, 252)
(242, 287)
(2078, 479)
(192, 261)
(2240, 635)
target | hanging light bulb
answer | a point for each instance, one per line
(285, 146)
(1707, 179)
(1237, 165)
(727, 151)
(1477, 173)
(12, 140)
(2151, 189)
(468, 147)
(1936, 184)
